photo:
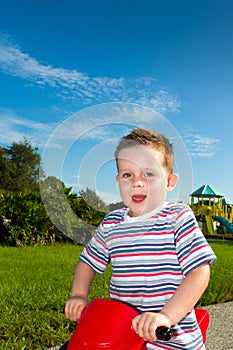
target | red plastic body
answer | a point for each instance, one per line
(203, 320)
(107, 324)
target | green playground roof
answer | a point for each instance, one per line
(226, 201)
(206, 191)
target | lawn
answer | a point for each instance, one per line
(36, 282)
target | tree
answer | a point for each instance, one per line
(118, 205)
(60, 203)
(90, 207)
(20, 167)
(75, 215)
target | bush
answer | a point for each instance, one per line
(23, 219)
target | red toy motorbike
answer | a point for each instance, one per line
(107, 324)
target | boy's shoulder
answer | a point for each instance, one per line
(115, 216)
(176, 209)
(176, 206)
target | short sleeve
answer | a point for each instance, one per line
(96, 253)
(192, 248)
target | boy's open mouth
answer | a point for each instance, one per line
(138, 198)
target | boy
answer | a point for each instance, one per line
(160, 259)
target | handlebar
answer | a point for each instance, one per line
(163, 333)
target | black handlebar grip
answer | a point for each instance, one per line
(163, 333)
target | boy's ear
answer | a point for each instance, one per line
(117, 178)
(172, 181)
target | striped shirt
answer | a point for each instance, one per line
(150, 258)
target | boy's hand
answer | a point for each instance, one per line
(74, 307)
(146, 324)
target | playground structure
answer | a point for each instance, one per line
(214, 213)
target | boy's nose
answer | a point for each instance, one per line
(138, 183)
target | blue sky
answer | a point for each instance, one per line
(66, 65)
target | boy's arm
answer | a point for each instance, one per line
(83, 278)
(187, 294)
(184, 299)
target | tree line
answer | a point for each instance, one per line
(26, 194)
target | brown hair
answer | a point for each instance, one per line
(150, 138)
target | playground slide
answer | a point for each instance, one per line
(225, 223)
(209, 224)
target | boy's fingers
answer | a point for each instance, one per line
(151, 331)
(73, 311)
(135, 324)
(70, 311)
(146, 330)
(145, 327)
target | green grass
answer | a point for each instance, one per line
(36, 282)
(220, 288)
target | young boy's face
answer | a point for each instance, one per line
(142, 179)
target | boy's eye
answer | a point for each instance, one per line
(149, 174)
(125, 175)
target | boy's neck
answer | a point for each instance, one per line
(145, 215)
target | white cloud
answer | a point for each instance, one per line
(13, 128)
(106, 122)
(200, 145)
(102, 122)
(70, 84)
